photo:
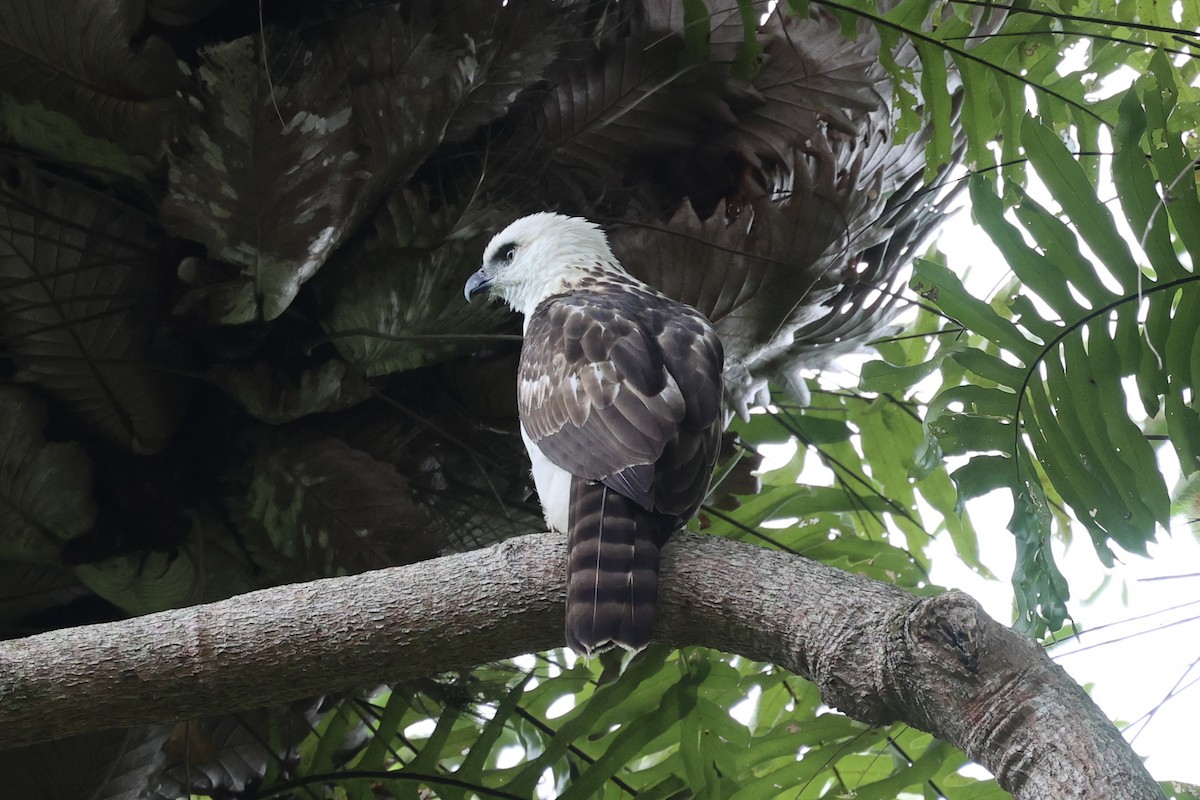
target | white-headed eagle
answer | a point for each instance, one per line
(619, 394)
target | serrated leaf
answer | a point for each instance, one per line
(45, 488)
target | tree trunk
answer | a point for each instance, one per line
(877, 653)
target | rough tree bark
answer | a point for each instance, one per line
(877, 653)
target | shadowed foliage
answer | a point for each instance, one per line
(234, 352)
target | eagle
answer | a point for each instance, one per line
(620, 400)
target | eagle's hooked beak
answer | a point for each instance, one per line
(479, 282)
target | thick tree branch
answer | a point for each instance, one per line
(878, 653)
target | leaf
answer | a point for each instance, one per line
(634, 737)
(642, 680)
(696, 23)
(1072, 190)
(106, 765)
(514, 45)
(93, 62)
(313, 506)
(272, 395)
(395, 309)
(77, 281)
(1172, 161)
(55, 137)
(278, 165)
(45, 488)
(750, 54)
(228, 752)
(143, 584)
(30, 593)
(471, 769)
(880, 376)
(889, 436)
(1035, 270)
(180, 13)
(208, 567)
(1180, 791)
(936, 283)
(813, 80)
(1134, 179)
(938, 105)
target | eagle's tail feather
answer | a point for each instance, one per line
(612, 570)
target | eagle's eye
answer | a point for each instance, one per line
(509, 253)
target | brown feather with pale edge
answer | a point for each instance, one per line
(621, 387)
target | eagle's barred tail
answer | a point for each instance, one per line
(612, 570)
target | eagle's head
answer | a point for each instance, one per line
(539, 256)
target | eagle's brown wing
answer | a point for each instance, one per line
(621, 387)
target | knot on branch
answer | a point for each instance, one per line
(949, 628)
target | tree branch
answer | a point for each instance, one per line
(877, 653)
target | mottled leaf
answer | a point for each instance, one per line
(276, 396)
(514, 46)
(313, 506)
(395, 309)
(280, 162)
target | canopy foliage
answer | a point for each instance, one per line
(233, 350)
